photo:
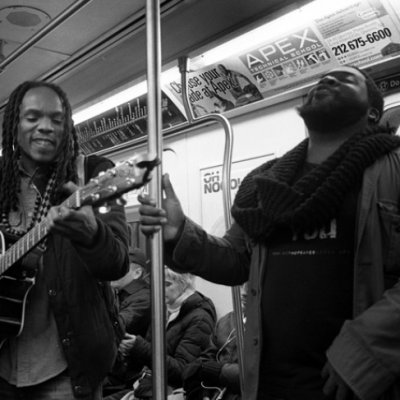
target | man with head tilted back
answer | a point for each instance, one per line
(316, 234)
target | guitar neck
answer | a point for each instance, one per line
(108, 185)
(33, 237)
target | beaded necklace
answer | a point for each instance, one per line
(41, 208)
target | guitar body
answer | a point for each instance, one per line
(15, 285)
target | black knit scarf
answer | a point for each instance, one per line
(270, 197)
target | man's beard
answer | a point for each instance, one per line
(324, 117)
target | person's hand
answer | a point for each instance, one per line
(335, 387)
(144, 388)
(78, 225)
(210, 372)
(200, 372)
(192, 378)
(127, 344)
(170, 216)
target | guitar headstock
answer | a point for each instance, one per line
(124, 177)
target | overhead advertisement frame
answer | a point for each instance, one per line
(353, 32)
(359, 33)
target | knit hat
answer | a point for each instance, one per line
(137, 256)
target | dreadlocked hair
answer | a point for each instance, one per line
(64, 167)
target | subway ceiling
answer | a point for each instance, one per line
(92, 47)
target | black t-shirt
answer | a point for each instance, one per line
(307, 295)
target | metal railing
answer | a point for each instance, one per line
(226, 193)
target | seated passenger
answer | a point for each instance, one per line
(216, 371)
(133, 298)
(133, 294)
(190, 322)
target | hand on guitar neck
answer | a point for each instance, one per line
(75, 217)
(78, 225)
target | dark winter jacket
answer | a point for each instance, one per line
(135, 307)
(222, 351)
(75, 278)
(186, 337)
(366, 353)
(134, 313)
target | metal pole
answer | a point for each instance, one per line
(154, 123)
(226, 193)
(72, 9)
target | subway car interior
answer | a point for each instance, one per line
(97, 52)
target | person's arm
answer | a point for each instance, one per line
(230, 377)
(101, 240)
(189, 248)
(209, 369)
(240, 75)
(220, 260)
(366, 352)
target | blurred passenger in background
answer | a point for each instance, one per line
(190, 321)
(316, 234)
(134, 304)
(133, 293)
(215, 374)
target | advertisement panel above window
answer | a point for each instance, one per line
(308, 42)
(287, 53)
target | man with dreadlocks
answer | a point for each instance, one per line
(68, 343)
(317, 234)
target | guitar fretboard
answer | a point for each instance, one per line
(131, 174)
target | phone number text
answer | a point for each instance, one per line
(361, 41)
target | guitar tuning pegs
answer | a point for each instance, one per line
(94, 197)
(121, 201)
(112, 188)
(104, 209)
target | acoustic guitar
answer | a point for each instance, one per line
(15, 280)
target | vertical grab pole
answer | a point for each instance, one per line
(226, 193)
(154, 123)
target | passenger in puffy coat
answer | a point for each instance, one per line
(132, 293)
(190, 321)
